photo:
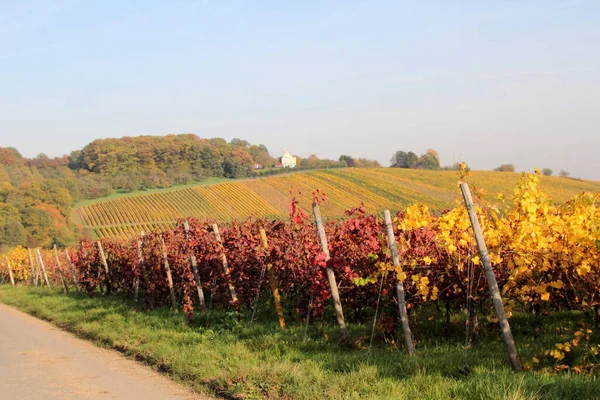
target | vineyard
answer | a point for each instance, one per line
(545, 257)
(376, 189)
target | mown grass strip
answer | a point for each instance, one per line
(232, 360)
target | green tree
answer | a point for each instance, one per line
(56, 194)
(505, 168)
(547, 172)
(366, 163)
(402, 159)
(261, 155)
(349, 161)
(310, 162)
(38, 225)
(237, 164)
(5, 189)
(429, 160)
(12, 233)
(75, 160)
(239, 143)
(211, 160)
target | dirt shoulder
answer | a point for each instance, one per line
(39, 361)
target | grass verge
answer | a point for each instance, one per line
(230, 359)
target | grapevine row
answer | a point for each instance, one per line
(545, 257)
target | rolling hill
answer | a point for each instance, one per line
(377, 189)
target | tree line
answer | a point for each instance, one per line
(159, 161)
(430, 160)
(37, 194)
(403, 159)
(544, 171)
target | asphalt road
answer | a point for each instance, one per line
(39, 361)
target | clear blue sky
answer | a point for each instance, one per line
(487, 82)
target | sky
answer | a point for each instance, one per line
(485, 82)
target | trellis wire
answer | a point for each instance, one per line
(470, 277)
(212, 293)
(262, 276)
(376, 312)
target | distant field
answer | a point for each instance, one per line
(377, 189)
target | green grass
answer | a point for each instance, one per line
(229, 358)
(118, 194)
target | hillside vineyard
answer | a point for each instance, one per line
(376, 189)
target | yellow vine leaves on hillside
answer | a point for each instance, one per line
(18, 260)
(539, 247)
(549, 244)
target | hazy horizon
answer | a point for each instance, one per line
(489, 84)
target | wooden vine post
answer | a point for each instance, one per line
(225, 265)
(491, 279)
(335, 295)
(273, 281)
(399, 285)
(60, 271)
(105, 265)
(73, 275)
(136, 284)
(34, 271)
(10, 273)
(38, 271)
(33, 276)
(194, 263)
(169, 276)
(41, 261)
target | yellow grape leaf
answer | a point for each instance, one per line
(557, 285)
(546, 296)
(492, 318)
(583, 270)
(495, 259)
(540, 289)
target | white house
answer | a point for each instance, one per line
(287, 160)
